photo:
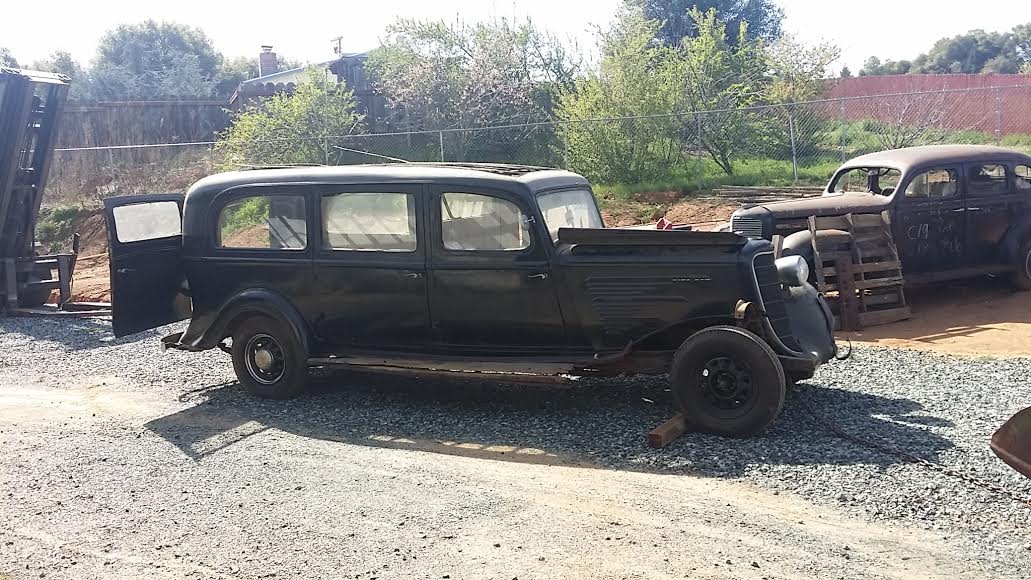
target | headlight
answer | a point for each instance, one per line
(792, 270)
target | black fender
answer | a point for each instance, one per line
(801, 243)
(798, 244)
(251, 301)
(1015, 236)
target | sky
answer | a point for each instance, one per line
(303, 29)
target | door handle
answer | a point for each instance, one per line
(413, 275)
(959, 210)
(973, 209)
(541, 276)
(125, 270)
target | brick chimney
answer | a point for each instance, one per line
(267, 61)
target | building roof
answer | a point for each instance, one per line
(911, 157)
(285, 77)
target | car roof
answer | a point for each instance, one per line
(529, 178)
(910, 157)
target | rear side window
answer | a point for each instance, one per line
(263, 222)
(934, 183)
(474, 222)
(147, 221)
(987, 179)
(1022, 178)
(371, 222)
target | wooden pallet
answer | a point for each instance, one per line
(857, 266)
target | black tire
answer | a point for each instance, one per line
(1021, 276)
(727, 381)
(267, 358)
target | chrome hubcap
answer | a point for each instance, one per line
(265, 359)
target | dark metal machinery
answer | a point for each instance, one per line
(30, 108)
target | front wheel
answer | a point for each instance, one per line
(727, 381)
(267, 358)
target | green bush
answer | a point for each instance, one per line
(288, 129)
(54, 226)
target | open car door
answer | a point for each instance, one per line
(145, 240)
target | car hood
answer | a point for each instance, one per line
(825, 205)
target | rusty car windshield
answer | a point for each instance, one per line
(879, 180)
(569, 208)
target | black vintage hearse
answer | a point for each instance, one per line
(494, 269)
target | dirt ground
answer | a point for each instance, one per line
(978, 317)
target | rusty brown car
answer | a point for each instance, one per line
(956, 210)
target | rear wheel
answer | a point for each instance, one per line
(1022, 266)
(267, 358)
(727, 381)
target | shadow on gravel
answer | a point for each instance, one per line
(76, 334)
(597, 423)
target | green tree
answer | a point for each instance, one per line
(636, 88)
(965, 53)
(975, 51)
(845, 72)
(761, 18)
(871, 67)
(292, 128)
(155, 60)
(797, 76)
(234, 71)
(462, 76)
(61, 62)
(7, 59)
(721, 77)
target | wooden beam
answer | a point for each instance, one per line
(664, 434)
(847, 292)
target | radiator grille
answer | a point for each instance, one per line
(773, 299)
(748, 227)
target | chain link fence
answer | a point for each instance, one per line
(775, 145)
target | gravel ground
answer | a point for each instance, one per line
(942, 408)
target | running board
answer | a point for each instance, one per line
(454, 364)
(486, 376)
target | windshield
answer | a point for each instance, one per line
(570, 208)
(879, 180)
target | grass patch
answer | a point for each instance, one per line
(747, 172)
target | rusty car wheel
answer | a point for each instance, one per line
(727, 381)
(267, 359)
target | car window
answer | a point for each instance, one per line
(373, 221)
(987, 179)
(471, 221)
(263, 222)
(934, 183)
(574, 208)
(147, 221)
(1022, 178)
(879, 180)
